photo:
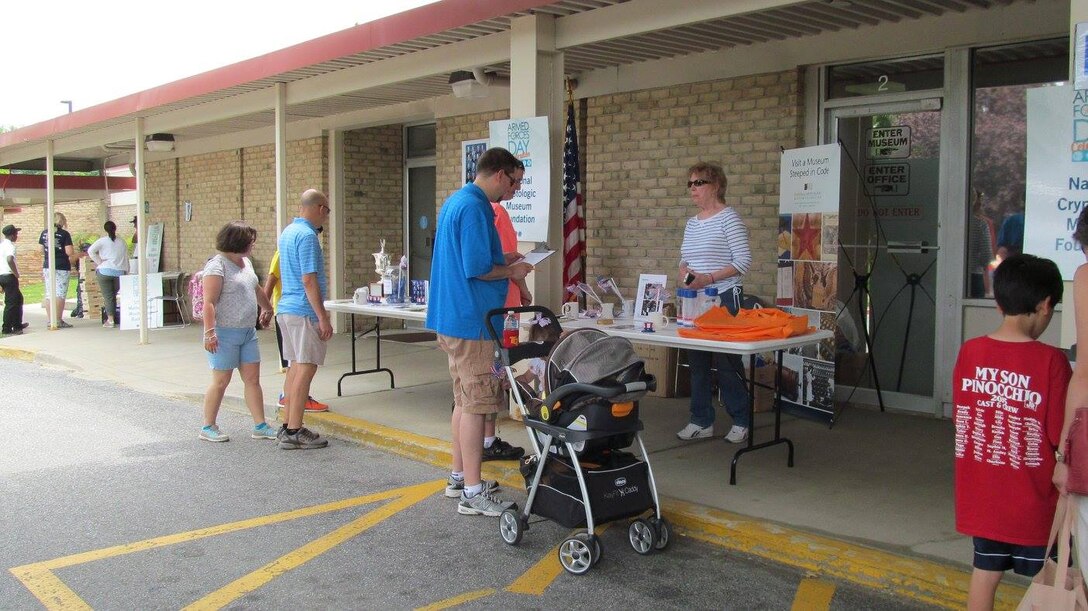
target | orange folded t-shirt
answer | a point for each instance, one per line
(747, 326)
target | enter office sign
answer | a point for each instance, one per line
(887, 179)
(888, 142)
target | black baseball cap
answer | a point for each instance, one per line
(10, 230)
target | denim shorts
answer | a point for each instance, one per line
(236, 346)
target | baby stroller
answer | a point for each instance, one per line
(579, 474)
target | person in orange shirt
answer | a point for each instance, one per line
(517, 295)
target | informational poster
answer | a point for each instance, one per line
(130, 302)
(528, 140)
(1057, 174)
(470, 154)
(153, 248)
(807, 246)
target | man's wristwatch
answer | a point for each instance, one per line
(1058, 456)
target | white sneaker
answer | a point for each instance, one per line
(694, 431)
(737, 434)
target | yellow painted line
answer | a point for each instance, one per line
(248, 583)
(541, 575)
(461, 599)
(18, 354)
(934, 583)
(47, 588)
(813, 595)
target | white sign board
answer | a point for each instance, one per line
(809, 179)
(888, 142)
(528, 140)
(130, 302)
(153, 247)
(1057, 174)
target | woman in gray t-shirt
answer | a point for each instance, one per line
(231, 296)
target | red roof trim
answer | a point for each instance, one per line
(402, 27)
(90, 183)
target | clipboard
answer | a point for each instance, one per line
(535, 257)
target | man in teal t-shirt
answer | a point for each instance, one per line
(469, 276)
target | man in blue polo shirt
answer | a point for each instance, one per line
(469, 276)
(302, 316)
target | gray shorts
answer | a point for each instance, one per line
(301, 342)
(61, 287)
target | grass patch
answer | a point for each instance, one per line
(35, 292)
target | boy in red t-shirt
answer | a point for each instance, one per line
(1008, 392)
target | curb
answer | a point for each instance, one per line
(926, 581)
(18, 354)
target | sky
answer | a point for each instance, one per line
(94, 52)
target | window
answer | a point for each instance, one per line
(1000, 78)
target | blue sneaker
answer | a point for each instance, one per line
(212, 433)
(263, 431)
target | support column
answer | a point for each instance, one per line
(337, 268)
(281, 158)
(536, 89)
(141, 229)
(50, 237)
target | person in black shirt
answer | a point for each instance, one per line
(65, 252)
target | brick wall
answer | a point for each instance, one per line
(373, 199)
(85, 220)
(450, 132)
(225, 186)
(639, 146)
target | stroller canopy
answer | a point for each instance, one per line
(591, 356)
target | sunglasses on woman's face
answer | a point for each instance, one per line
(697, 183)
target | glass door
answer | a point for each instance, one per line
(888, 257)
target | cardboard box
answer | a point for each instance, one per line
(660, 361)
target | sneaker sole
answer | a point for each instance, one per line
(311, 411)
(299, 446)
(468, 511)
(258, 436)
(696, 436)
(217, 440)
(517, 456)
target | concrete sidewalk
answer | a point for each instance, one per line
(869, 501)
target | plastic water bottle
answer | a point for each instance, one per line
(510, 330)
(688, 299)
(710, 299)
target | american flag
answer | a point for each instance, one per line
(573, 243)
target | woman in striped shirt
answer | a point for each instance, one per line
(715, 253)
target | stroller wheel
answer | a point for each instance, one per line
(576, 556)
(596, 545)
(643, 536)
(511, 528)
(662, 527)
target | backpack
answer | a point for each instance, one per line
(196, 294)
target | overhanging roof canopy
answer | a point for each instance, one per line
(407, 57)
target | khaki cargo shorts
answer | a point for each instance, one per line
(475, 389)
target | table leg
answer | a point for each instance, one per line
(378, 353)
(751, 415)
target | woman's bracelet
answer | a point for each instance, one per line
(711, 276)
(209, 333)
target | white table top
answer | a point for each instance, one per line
(403, 311)
(628, 328)
(632, 330)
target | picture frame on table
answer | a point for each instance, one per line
(649, 298)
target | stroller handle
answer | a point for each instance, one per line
(605, 391)
(525, 351)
